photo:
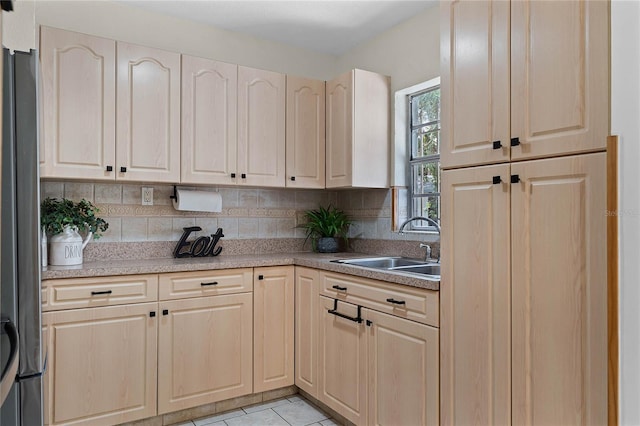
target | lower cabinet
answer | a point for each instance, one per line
(343, 362)
(373, 367)
(306, 330)
(403, 383)
(204, 350)
(102, 366)
(273, 294)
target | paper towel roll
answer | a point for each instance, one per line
(197, 201)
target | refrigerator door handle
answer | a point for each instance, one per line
(10, 370)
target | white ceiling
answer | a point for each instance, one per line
(328, 26)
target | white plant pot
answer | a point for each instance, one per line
(66, 248)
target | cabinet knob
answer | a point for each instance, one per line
(243, 175)
(496, 180)
(123, 169)
(497, 144)
(515, 178)
(152, 314)
(233, 175)
(293, 178)
(515, 141)
(165, 312)
(261, 277)
(109, 168)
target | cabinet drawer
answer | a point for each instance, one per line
(411, 303)
(102, 291)
(182, 285)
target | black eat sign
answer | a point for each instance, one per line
(200, 247)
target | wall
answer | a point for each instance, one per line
(123, 22)
(625, 122)
(409, 52)
(247, 213)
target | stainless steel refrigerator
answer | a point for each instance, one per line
(20, 235)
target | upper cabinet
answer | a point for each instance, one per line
(554, 100)
(209, 141)
(87, 133)
(261, 127)
(357, 133)
(79, 96)
(305, 158)
(118, 111)
(148, 114)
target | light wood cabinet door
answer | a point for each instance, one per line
(205, 351)
(261, 127)
(343, 362)
(559, 291)
(305, 121)
(306, 330)
(475, 297)
(148, 114)
(404, 378)
(559, 77)
(475, 82)
(357, 134)
(79, 95)
(209, 141)
(273, 338)
(339, 132)
(101, 365)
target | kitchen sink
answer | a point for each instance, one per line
(395, 264)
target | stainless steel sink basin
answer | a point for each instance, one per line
(382, 262)
(429, 269)
(396, 264)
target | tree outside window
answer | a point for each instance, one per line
(424, 131)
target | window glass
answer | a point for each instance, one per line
(424, 134)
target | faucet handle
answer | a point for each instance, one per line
(427, 256)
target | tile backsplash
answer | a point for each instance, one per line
(247, 213)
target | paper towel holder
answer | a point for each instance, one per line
(174, 196)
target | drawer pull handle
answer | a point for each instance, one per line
(396, 302)
(96, 293)
(337, 287)
(206, 284)
(335, 312)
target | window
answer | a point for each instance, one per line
(424, 164)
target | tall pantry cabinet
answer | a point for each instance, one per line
(525, 115)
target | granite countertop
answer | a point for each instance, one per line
(164, 265)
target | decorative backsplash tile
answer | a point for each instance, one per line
(247, 213)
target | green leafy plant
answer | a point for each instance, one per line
(56, 214)
(327, 222)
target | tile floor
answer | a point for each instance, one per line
(293, 411)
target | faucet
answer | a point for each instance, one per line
(422, 245)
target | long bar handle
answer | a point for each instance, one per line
(335, 312)
(396, 302)
(95, 293)
(206, 284)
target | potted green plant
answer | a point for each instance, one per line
(61, 220)
(325, 226)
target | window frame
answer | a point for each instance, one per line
(411, 162)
